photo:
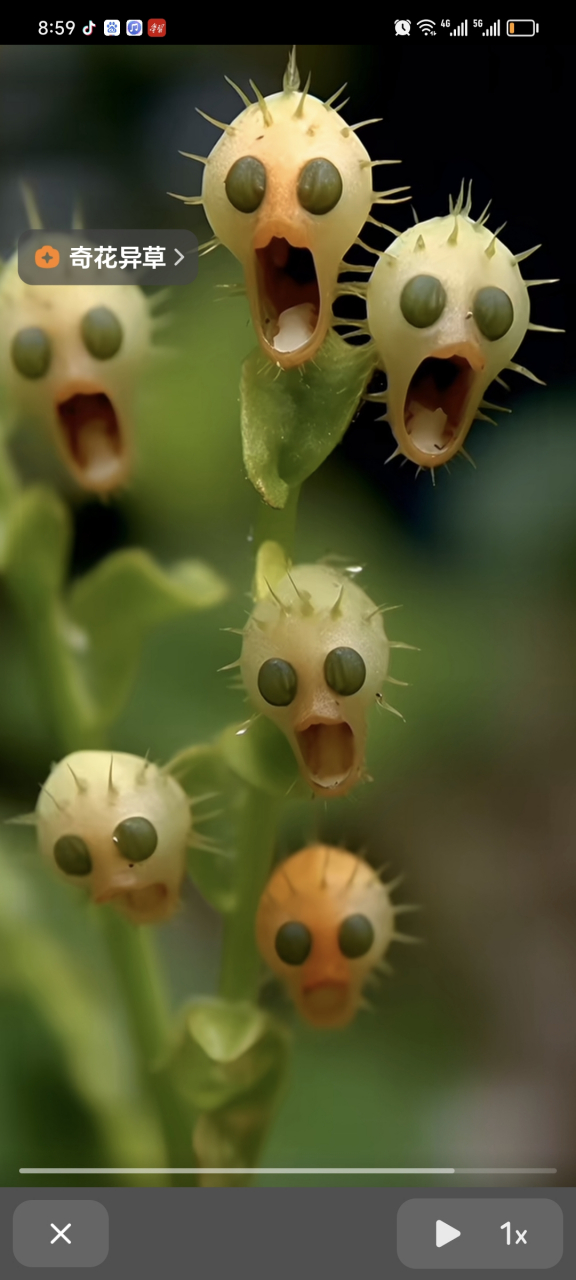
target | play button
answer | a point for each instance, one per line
(445, 1233)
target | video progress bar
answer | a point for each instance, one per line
(330, 1171)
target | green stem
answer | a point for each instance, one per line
(131, 950)
(38, 546)
(9, 489)
(9, 482)
(279, 525)
(240, 970)
(67, 705)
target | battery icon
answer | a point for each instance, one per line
(521, 27)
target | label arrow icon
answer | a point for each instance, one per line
(445, 1233)
(179, 259)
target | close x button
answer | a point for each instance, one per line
(60, 1233)
(480, 1233)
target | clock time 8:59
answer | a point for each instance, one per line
(55, 28)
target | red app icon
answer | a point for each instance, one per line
(156, 27)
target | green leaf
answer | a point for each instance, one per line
(122, 599)
(225, 1031)
(213, 789)
(38, 539)
(37, 549)
(292, 420)
(223, 1050)
(262, 756)
(230, 1062)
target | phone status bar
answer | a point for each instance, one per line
(181, 29)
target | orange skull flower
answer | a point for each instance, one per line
(324, 923)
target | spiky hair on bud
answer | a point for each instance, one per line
(447, 308)
(287, 188)
(70, 359)
(324, 924)
(118, 826)
(314, 658)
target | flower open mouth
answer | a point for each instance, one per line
(328, 753)
(93, 440)
(326, 997)
(435, 409)
(142, 904)
(147, 902)
(288, 295)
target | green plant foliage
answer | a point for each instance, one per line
(259, 753)
(37, 546)
(230, 1062)
(120, 601)
(212, 788)
(86, 1062)
(86, 642)
(293, 419)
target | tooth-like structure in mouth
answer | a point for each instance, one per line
(295, 327)
(324, 923)
(288, 188)
(447, 308)
(437, 399)
(93, 441)
(314, 658)
(119, 827)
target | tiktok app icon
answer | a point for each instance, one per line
(89, 28)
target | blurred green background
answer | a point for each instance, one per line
(468, 1056)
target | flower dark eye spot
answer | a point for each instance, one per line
(72, 855)
(293, 942)
(31, 353)
(493, 312)
(355, 936)
(319, 186)
(246, 184)
(422, 301)
(136, 839)
(345, 671)
(277, 682)
(101, 333)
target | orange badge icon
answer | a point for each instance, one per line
(47, 256)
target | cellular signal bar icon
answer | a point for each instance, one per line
(461, 30)
(494, 30)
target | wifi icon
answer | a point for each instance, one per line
(427, 26)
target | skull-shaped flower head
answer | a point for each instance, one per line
(447, 308)
(70, 357)
(324, 923)
(287, 189)
(314, 657)
(119, 827)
